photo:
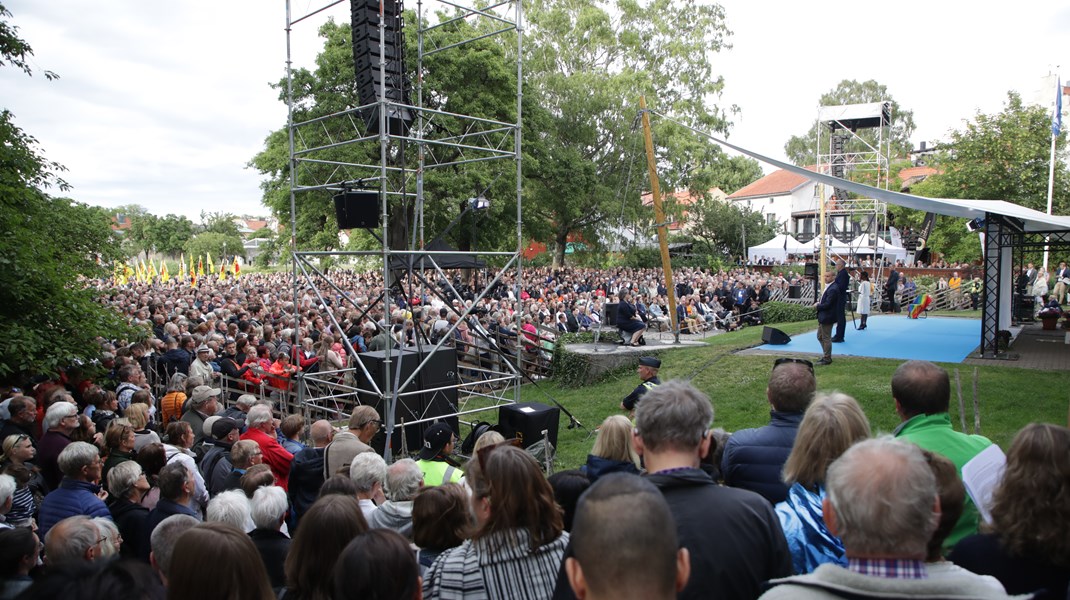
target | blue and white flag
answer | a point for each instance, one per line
(1057, 117)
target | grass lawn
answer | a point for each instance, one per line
(1009, 397)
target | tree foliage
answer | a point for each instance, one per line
(219, 245)
(801, 149)
(726, 229)
(1002, 156)
(49, 319)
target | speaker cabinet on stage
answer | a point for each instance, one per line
(795, 291)
(440, 371)
(774, 336)
(357, 210)
(527, 420)
(810, 270)
(611, 314)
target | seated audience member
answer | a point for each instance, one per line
(568, 486)
(403, 479)
(753, 458)
(833, 423)
(378, 563)
(217, 561)
(326, 529)
(519, 539)
(732, 535)
(922, 394)
(368, 473)
(73, 539)
(231, 506)
(19, 551)
(1027, 547)
(162, 542)
(128, 485)
(269, 513)
(176, 491)
(441, 520)
(79, 492)
(612, 450)
(624, 543)
(261, 429)
(952, 495)
(883, 503)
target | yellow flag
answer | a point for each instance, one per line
(236, 269)
(223, 270)
(200, 268)
(211, 265)
(164, 277)
(182, 266)
(152, 270)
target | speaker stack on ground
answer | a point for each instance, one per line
(369, 44)
(440, 371)
(774, 336)
(527, 421)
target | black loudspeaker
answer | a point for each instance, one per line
(795, 291)
(810, 270)
(774, 336)
(439, 372)
(369, 46)
(611, 314)
(527, 421)
(357, 210)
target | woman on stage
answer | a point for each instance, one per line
(628, 320)
(865, 293)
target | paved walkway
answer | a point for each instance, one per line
(1034, 348)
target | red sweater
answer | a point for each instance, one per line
(275, 456)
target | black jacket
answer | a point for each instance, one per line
(273, 547)
(830, 302)
(130, 519)
(306, 479)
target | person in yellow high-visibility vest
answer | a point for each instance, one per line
(435, 461)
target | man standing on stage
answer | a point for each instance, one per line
(889, 291)
(843, 281)
(826, 316)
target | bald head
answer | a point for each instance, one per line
(921, 388)
(321, 433)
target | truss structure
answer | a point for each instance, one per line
(321, 160)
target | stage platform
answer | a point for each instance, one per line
(605, 356)
(937, 339)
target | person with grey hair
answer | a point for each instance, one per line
(61, 419)
(732, 535)
(261, 428)
(79, 493)
(364, 423)
(110, 538)
(403, 479)
(368, 473)
(269, 513)
(162, 542)
(241, 407)
(7, 497)
(231, 506)
(753, 458)
(73, 539)
(128, 486)
(884, 505)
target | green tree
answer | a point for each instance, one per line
(170, 234)
(588, 63)
(49, 319)
(138, 239)
(219, 222)
(723, 226)
(219, 245)
(800, 149)
(1002, 156)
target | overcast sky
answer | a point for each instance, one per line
(164, 103)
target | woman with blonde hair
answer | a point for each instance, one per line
(138, 415)
(613, 450)
(833, 423)
(1027, 544)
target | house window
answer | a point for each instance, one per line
(770, 219)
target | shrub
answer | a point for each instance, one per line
(785, 312)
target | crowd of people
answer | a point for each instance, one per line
(229, 499)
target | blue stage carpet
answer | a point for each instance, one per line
(895, 336)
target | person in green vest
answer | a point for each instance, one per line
(435, 461)
(922, 393)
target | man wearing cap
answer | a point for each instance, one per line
(435, 461)
(648, 372)
(215, 464)
(200, 367)
(202, 405)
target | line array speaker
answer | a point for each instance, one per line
(368, 46)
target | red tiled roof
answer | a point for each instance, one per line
(909, 172)
(255, 225)
(777, 183)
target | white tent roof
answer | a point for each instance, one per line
(861, 245)
(778, 247)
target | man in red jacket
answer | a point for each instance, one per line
(261, 429)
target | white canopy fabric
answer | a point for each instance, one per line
(778, 248)
(833, 245)
(862, 245)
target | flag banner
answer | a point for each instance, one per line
(1057, 114)
(211, 265)
(164, 276)
(200, 267)
(236, 269)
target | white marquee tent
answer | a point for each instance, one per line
(778, 248)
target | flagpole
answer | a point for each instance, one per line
(1056, 126)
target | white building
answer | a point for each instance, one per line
(784, 199)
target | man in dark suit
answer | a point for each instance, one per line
(843, 281)
(826, 316)
(889, 291)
